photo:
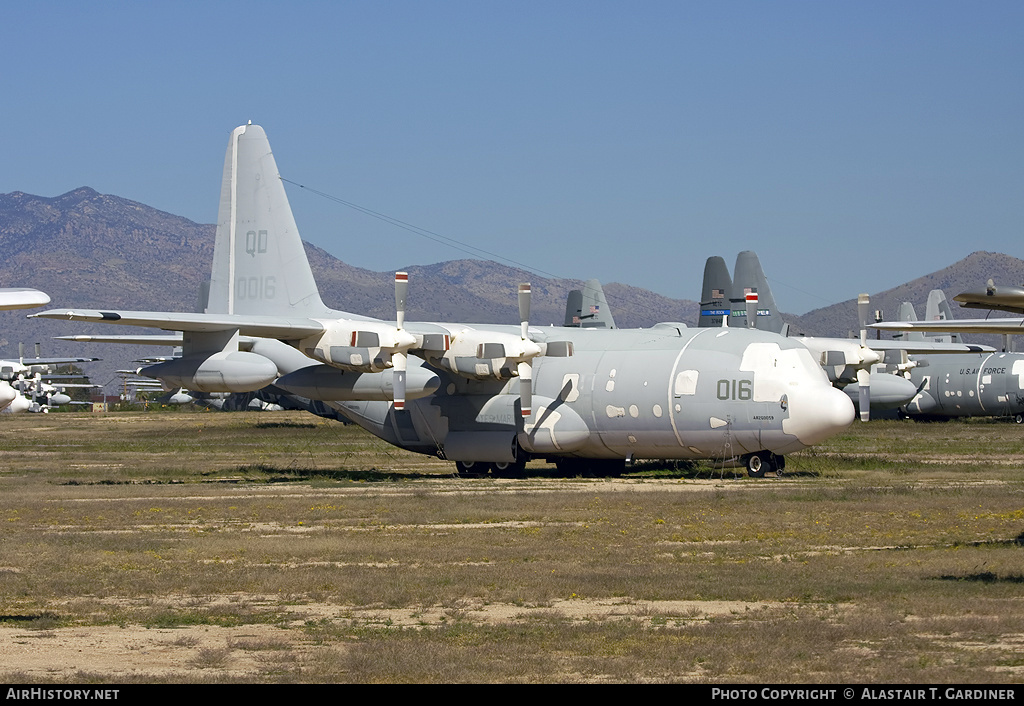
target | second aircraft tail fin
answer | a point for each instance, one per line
(938, 309)
(587, 307)
(714, 294)
(748, 278)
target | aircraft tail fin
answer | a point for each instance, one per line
(259, 261)
(588, 308)
(938, 309)
(748, 278)
(714, 294)
(907, 313)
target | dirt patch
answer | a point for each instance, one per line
(123, 653)
(126, 653)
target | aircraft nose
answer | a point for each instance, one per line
(832, 411)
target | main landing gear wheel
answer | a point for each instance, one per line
(471, 469)
(513, 469)
(759, 463)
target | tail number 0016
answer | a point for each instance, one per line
(256, 287)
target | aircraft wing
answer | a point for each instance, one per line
(818, 345)
(262, 326)
(1002, 326)
(22, 298)
(921, 347)
(55, 361)
(141, 339)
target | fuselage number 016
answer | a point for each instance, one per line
(735, 389)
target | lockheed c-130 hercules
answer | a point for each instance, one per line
(483, 396)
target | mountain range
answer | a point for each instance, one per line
(92, 250)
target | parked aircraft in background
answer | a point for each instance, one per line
(587, 307)
(850, 364)
(483, 396)
(36, 385)
(21, 385)
(968, 385)
(1001, 298)
(964, 385)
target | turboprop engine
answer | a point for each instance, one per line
(226, 371)
(59, 398)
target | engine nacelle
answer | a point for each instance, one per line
(329, 384)
(888, 391)
(7, 394)
(227, 371)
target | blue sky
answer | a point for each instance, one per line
(854, 146)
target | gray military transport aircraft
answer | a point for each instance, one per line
(984, 385)
(1001, 298)
(484, 396)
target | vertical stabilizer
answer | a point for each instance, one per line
(587, 307)
(259, 262)
(907, 313)
(748, 278)
(573, 308)
(938, 309)
(714, 294)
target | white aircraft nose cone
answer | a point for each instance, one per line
(832, 411)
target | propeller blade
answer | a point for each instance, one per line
(863, 313)
(751, 300)
(524, 309)
(401, 288)
(525, 389)
(864, 394)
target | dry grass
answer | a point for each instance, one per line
(283, 548)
